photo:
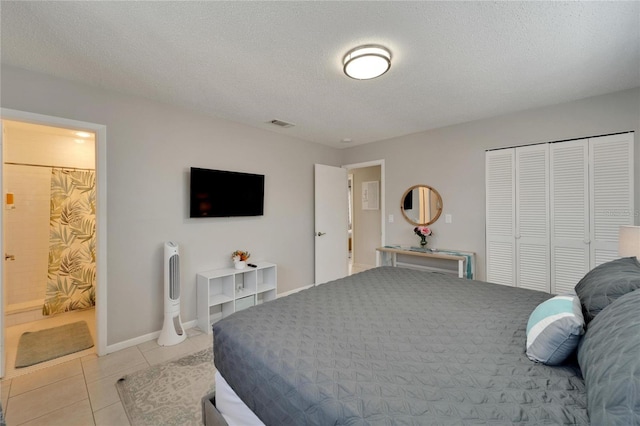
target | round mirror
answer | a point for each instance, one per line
(421, 205)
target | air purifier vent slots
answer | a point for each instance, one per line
(174, 277)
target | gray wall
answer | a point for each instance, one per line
(451, 159)
(150, 147)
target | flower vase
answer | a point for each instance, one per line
(240, 264)
(423, 241)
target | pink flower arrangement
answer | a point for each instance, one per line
(423, 232)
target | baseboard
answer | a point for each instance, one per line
(286, 293)
(144, 338)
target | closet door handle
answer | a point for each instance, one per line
(9, 257)
(320, 234)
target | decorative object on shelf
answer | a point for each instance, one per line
(423, 232)
(239, 258)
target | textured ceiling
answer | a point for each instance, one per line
(252, 62)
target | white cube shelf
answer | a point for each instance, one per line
(232, 289)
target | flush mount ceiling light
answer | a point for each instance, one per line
(367, 62)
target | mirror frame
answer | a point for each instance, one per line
(439, 205)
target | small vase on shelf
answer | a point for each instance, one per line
(240, 264)
(423, 241)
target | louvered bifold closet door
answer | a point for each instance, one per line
(532, 217)
(569, 201)
(611, 191)
(500, 216)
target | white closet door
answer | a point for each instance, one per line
(500, 216)
(611, 191)
(532, 217)
(569, 207)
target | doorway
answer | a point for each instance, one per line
(39, 160)
(366, 214)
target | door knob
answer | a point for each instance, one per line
(9, 257)
(320, 234)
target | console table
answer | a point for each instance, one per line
(465, 259)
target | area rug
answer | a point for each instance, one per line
(35, 347)
(169, 393)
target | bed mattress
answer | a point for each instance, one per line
(394, 346)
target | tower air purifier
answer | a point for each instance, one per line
(172, 332)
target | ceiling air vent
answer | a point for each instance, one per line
(281, 123)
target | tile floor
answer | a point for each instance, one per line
(82, 391)
(13, 333)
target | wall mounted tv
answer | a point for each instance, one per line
(220, 193)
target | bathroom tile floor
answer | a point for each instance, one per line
(82, 391)
(12, 336)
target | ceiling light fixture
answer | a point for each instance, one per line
(367, 62)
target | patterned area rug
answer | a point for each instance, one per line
(169, 393)
(40, 346)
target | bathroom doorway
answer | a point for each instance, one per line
(49, 227)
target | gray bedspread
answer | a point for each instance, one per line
(394, 346)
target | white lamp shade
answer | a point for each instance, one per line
(367, 62)
(629, 241)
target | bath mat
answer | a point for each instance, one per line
(40, 346)
(169, 393)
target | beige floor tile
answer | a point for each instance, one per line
(193, 331)
(148, 345)
(103, 392)
(44, 377)
(165, 353)
(38, 402)
(12, 337)
(78, 414)
(201, 341)
(113, 415)
(114, 363)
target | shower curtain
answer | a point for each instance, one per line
(71, 276)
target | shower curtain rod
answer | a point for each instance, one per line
(51, 167)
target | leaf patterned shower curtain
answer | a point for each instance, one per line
(71, 277)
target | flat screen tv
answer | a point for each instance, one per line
(220, 193)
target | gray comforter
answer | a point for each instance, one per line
(393, 346)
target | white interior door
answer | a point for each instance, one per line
(532, 217)
(569, 200)
(611, 193)
(500, 216)
(2, 250)
(331, 223)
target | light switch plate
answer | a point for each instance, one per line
(447, 218)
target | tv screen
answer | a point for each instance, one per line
(220, 193)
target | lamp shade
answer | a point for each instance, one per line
(367, 62)
(629, 241)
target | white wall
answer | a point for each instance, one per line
(451, 159)
(150, 147)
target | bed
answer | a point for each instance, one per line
(394, 346)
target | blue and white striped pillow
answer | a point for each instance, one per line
(554, 329)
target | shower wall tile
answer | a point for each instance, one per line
(27, 233)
